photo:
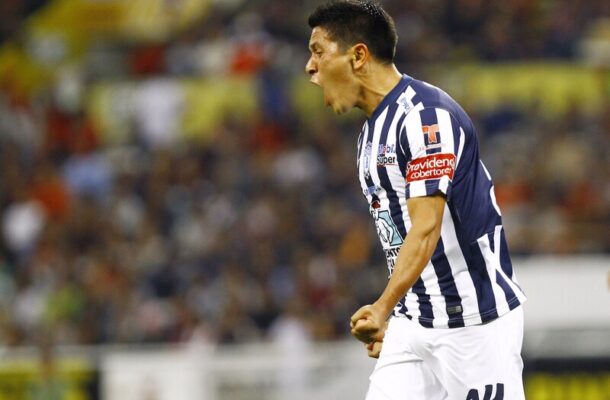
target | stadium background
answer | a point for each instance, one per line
(175, 199)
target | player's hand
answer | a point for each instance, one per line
(368, 324)
(374, 348)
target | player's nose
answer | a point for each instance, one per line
(311, 68)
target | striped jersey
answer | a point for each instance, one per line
(419, 142)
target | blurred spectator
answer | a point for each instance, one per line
(22, 222)
(158, 103)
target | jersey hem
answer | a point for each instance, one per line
(472, 320)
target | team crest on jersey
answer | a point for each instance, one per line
(371, 190)
(404, 102)
(386, 155)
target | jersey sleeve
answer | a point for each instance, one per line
(432, 140)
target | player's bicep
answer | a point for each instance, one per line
(434, 141)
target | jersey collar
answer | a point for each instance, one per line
(392, 96)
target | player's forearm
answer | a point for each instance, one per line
(412, 258)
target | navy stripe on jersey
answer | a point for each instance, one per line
(360, 137)
(386, 184)
(505, 262)
(482, 283)
(405, 154)
(403, 140)
(401, 309)
(367, 176)
(425, 307)
(508, 292)
(395, 209)
(369, 183)
(447, 285)
(417, 98)
(457, 137)
(477, 270)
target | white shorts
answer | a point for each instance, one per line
(480, 362)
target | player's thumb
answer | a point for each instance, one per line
(362, 313)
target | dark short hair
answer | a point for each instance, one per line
(349, 22)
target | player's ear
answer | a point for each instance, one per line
(360, 55)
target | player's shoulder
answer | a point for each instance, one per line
(430, 97)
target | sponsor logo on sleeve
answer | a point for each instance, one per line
(433, 166)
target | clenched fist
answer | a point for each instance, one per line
(368, 324)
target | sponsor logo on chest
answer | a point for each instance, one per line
(386, 155)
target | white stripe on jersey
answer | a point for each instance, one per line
(384, 202)
(444, 124)
(513, 286)
(461, 148)
(417, 148)
(459, 269)
(492, 263)
(360, 140)
(437, 300)
(395, 175)
(412, 303)
(492, 193)
(365, 133)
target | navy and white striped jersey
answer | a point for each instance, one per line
(419, 142)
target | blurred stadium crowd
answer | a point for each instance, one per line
(260, 231)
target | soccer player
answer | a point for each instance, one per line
(449, 323)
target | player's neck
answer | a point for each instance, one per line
(379, 80)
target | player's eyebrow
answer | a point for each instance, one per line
(313, 45)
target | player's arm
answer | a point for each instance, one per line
(426, 217)
(368, 323)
